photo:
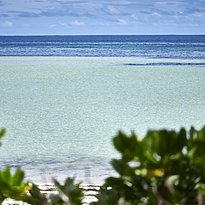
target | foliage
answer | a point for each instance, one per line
(13, 186)
(2, 133)
(35, 197)
(69, 193)
(165, 167)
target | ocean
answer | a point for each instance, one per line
(167, 46)
(63, 98)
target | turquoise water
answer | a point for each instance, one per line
(62, 112)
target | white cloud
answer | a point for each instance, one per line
(198, 14)
(77, 23)
(156, 14)
(62, 15)
(66, 25)
(122, 22)
(7, 24)
(112, 10)
(59, 24)
(62, 24)
(133, 16)
(53, 25)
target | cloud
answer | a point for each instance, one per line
(199, 14)
(51, 13)
(4, 15)
(27, 14)
(103, 9)
(156, 14)
(66, 25)
(112, 10)
(63, 24)
(59, 24)
(7, 24)
(40, 13)
(175, 12)
(77, 23)
(54, 12)
(122, 22)
(62, 14)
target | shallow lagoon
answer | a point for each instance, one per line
(62, 112)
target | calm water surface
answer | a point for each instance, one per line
(62, 112)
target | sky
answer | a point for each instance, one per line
(82, 17)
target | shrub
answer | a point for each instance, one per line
(165, 167)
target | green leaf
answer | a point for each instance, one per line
(2, 132)
(70, 192)
(126, 145)
(35, 197)
(11, 186)
(18, 177)
(6, 175)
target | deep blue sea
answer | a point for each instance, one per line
(63, 98)
(158, 46)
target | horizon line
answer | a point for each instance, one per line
(16, 35)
